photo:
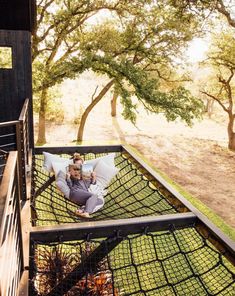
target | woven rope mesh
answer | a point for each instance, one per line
(174, 262)
(130, 194)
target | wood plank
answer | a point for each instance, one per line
(24, 110)
(7, 181)
(23, 286)
(25, 222)
(98, 229)
(80, 149)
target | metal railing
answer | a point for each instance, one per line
(11, 246)
(15, 136)
(3, 160)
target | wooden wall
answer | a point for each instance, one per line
(16, 83)
(18, 15)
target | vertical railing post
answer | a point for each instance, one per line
(18, 215)
(20, 162)
(23, 148)
(26, 129)
(24, 119)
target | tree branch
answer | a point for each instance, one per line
(216, 99)
(92, 97)
(222, 9)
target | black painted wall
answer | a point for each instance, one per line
(16, 83)
(18, 15)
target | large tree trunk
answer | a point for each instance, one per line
(89, 108)
(231, 133)
(42, 119)
(114, 104)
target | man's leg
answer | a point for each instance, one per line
(91, 203)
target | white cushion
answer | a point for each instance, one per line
(100, 192)
(104, 173)
(50, 158)
(60, 166)
(108, 159)
(62, 184)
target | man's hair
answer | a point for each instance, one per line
(75, 166)
(77, 156)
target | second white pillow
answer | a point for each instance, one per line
(49, 159)
(108, 159)
(104, 173)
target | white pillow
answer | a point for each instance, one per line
(49, 158)
(60, 166)
(108, 159)
(62, 184)
(104, 173)
(100, 192)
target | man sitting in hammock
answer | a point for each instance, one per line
(79, 184)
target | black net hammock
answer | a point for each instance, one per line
(176, 260)
(129, 195)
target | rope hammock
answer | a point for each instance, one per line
(174, 262)
(177, 261)
(130, 194)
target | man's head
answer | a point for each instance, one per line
(75, 171)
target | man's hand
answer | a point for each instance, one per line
(93, 176)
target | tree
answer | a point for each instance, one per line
(204, 9)
(55, 40)
(137, 53)
(222, 58)
(113, 103)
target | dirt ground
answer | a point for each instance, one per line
(201, 167)
(196, 158)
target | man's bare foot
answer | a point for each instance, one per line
(82, 214)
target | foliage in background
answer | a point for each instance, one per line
(54, 106)
(78, 111)
(138, 51)
(221, 85)
(207, 10)
(55, 111)
(5, 57)
(56, 38)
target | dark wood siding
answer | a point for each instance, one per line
(18, 15)
(16, 83)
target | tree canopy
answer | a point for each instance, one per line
(139, 49)
(205, 9)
